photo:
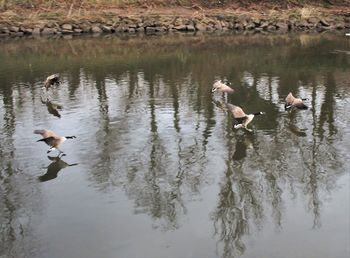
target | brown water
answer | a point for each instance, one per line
(156, 169)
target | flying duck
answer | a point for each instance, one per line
(52, 80)
(292, 101)
(241, 119)
(52, 139)
(222, 87)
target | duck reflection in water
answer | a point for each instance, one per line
(52, 107)
(56, 165)
(297, 131)
(244, 142)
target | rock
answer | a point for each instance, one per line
(181, 27)
(210, 28)
(264, 24)
(250, 26)
(78, 31)
(281, 26)
(140, 29)
(4, 30)
(133, 25)
(313, 20)
(86, 28)
(36, 31)
(96, 29)
(76, 26)
(231, 25)
(339, 25)
(66, 31)
(224, 24)
(28, 31)
(14, 29)
(256, 22)
(242, 18)
(149, 22)
(239, 26)
(107, 29)
(155, 29)
(271, 28)
(160, 29)
(218, 26)
(190, 27)
(48, 31)
(50, 25)
(200, 27)
(150, 29)
(122, 28)
(324, 23)
(67, 26)
(17, 34)
(320, 27)
(302, 24)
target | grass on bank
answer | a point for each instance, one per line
(57, 10)
(4, 4)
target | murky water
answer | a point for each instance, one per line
(156, 169)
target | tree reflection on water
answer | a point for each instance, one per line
(159, 134)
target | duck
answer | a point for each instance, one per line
(222, 87)
(52, 139)
(52, 80)
(241, 119)
(292, 101)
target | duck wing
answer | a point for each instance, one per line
(45, 133)
(50, 80)
(298, 103)
(290, 98)
(236, 111)
(51, 141)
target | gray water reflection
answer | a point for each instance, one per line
(155, 148)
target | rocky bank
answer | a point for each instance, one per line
(171, 23)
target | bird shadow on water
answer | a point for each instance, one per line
(55, 167)
(297, 131)
(293, 127)
(52, 108)
(244, 142)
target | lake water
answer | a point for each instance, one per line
(157, 169)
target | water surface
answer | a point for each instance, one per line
(156, 169)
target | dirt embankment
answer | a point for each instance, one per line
(72, 18)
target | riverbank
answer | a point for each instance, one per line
(41, 21)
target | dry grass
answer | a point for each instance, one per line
(31, 10)
(308, 11)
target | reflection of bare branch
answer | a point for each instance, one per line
(230, 223)
(18, 202)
